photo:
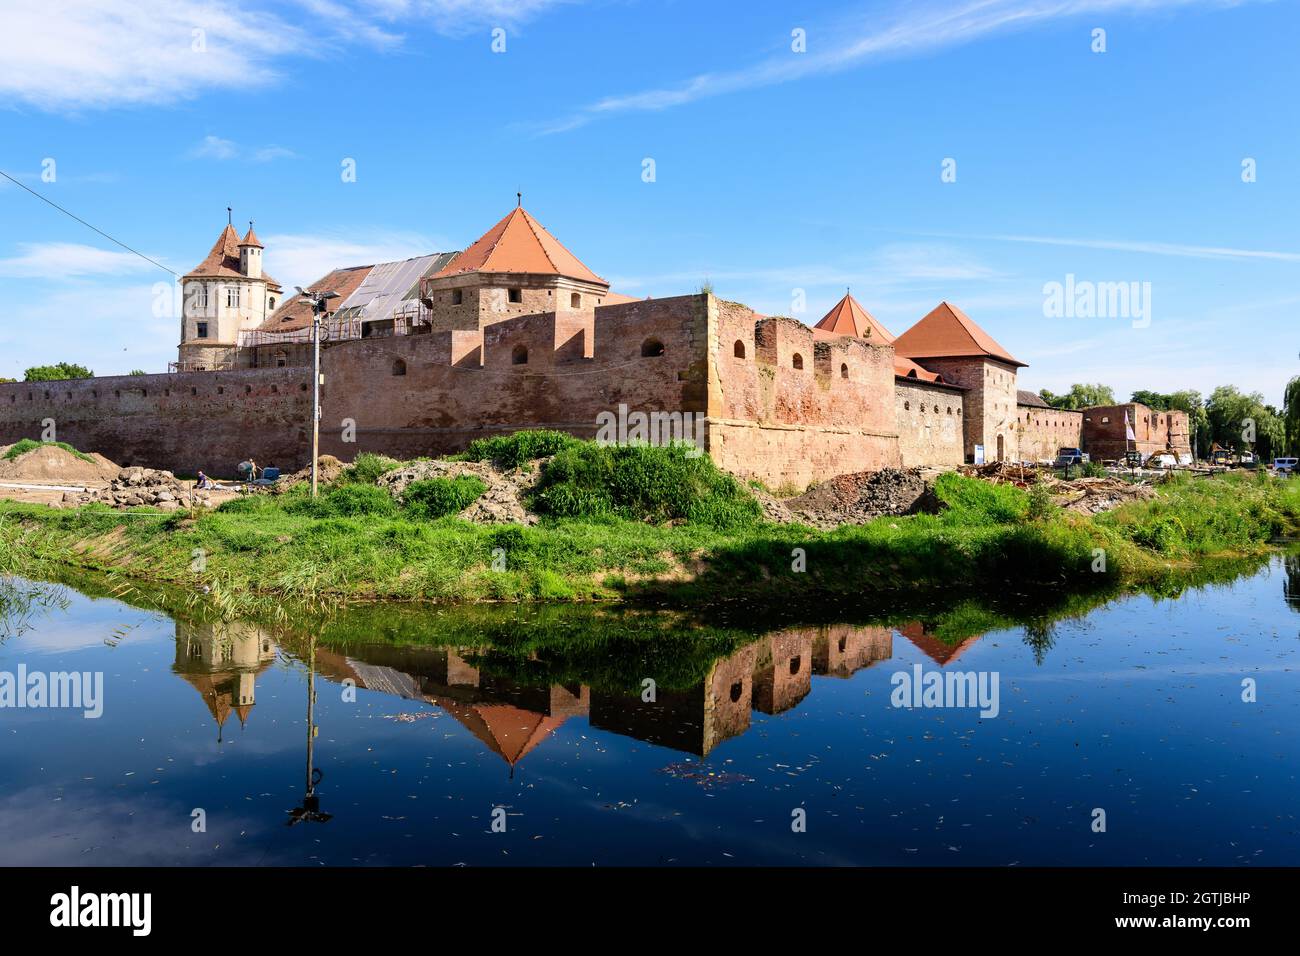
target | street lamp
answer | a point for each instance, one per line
(318, 302)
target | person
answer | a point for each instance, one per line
(204, 481)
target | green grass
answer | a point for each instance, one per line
(23, 446)
(641, 524)
(433, 498)
(511, 451)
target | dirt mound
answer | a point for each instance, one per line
(50, 463)
(502, 503)
(859, 497)
(330, 469)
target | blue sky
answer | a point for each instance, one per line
(775, 170)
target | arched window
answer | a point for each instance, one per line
(399, 367)
(844, 371)
(736, 689)
(798, 360)
(738, 350)
(271, 304)
(795, 663)
(519, 356)
(652, 348)
(907, 406)
(575, 301)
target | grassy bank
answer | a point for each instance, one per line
(643, 524)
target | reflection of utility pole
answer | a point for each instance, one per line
(310, 809)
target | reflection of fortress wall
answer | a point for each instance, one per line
(783, 671)
(693, 721)
(842, 650)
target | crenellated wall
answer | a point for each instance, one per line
(789, 425)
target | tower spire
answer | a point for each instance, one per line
(519, 200)
(230, 216)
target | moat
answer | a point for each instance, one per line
(582, 736)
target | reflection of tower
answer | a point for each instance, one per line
(221, 660)
(694, 720)
(510, 719)
(1291, 586)
(783, 671)
(933, 646)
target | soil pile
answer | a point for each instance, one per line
(329, 469)
(859, 497)
(502, 503)
(50, 463)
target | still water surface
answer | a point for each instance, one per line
(418, 741)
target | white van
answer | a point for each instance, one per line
(1285, 466)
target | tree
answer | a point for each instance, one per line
(5, 381)
(56, 373)
(1243, 422)
(1291, 416)
(137, 371)
(1080, 396)
(1152, 400)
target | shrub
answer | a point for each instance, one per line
(367, 468)
(642, 482)
(1041, 506)
(973, 501)
(1093, 469)
(433, 498)
(511, 451)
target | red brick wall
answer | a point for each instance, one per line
(788, 426)
(1155, 432)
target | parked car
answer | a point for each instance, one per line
(1065, 457)
(1247, 459)
(1285, 466)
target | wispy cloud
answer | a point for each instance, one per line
(1129, 245)
(69, 260)
(215, 147)
(912, 29)
(93, 54)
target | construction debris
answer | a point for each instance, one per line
(859, 497)
(136, 487)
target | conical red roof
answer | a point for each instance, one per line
(251, 239)
(948, 332)
(519, 243)
(847, 317)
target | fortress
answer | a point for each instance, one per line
(422, 356)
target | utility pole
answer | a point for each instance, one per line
(318, 302)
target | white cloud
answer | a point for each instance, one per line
(69, 260)
(1149, 248)
(913, 29)
(94, 54)
(215, 147)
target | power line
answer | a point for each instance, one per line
(88, 225)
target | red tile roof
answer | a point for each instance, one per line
(295, 313)
(251, 239)
(847, 317)
(519, 243)
(947, 332)
(906, 368)
(222, 261)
